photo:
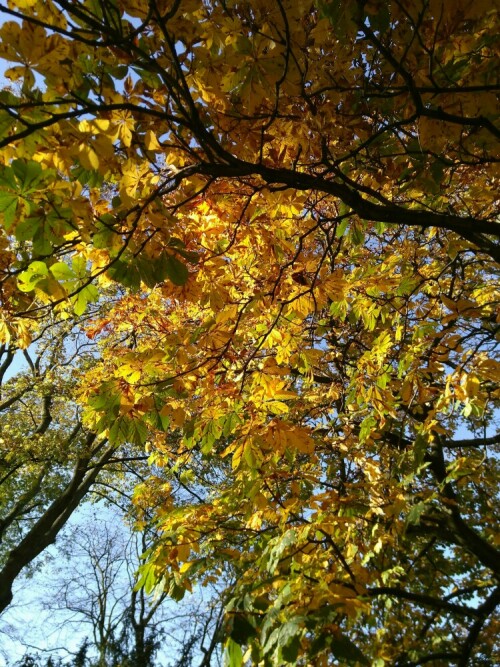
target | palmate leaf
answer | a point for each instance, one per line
(85, 295)
(36, 272)
(127, 430)
(125, 273)
(6, 123)
(150, 270)
(147, 578)
(8, 208)
(18, 182)
(234, 654)
(28, 228)
(175, 270)
(346, 651)
(284, 642)
(242, 630)
(28, 173)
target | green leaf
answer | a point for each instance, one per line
(419, 449)
(319, 644)
(119, 431)
(176, 592)
(406, 285)
(357, 234)
(88, 177)
(8, 179)
(158, 421)
(103, 237)
(290, 652)
(27, 173)
(107, 400)
(175, 270)
(207, 442)
(146, 578)
(285, 636)
(28, 228)
(242, 629)
(42, 240)
(230, 423)
(35, 272)
(190, 255)
(340, 15)
(234, 654)
(138, 432)
(79, 266)
(148, 271)
(381, 20)
(127, 430)
(344, 649)
(413, 517)
(86, 295)
(188, 477)
(61, 271)
(8, 206)
(278, 547)
(151, 79)
(125, 274)
(6, 122)
(119, 71)
(368, 425)
(340, 230)
(175, 242)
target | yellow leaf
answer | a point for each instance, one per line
(186, 566)
(125, 135)
(151, 142)
(102, 124)
(277, 407)
(26, 4)
(4, 332)
(255, 521)
(15, 73)
(88, 157)
(472, 385)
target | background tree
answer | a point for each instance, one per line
(96, 585)
(298, 202)
(87, 592)
(43, 440)
(49, 461)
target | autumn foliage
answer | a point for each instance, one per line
(285, 216)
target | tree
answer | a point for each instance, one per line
(86, 593)
(49, 462)
(297, 202)
(94, 583)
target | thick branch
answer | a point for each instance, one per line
(22, 505)
(473, 229)
(459, 531)
(485, 610)
(423, 600)
(473, 442)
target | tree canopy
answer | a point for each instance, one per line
(285, 216)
